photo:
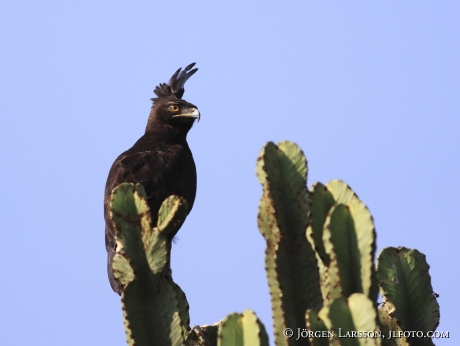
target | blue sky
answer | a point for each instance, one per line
(370, 91)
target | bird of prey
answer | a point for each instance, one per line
(160, 160)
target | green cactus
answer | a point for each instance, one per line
(242, 329)
(341, 245)
(321, 202)
(365, 234)
(290, 261)
(315, 324)
(340, 233)
(354, 320)
(320, 263)
(408, 299)
(154, 307)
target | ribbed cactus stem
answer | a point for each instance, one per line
(155, 309)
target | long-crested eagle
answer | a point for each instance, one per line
(160, 160)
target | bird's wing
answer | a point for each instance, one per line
(162, 172)
(132, 167)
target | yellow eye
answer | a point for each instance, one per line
(174, 108)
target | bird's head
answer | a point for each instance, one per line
(168, 109)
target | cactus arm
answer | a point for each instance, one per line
(253, 330)
(406, 283)
(243, 330)
(364, 317)
(342, 321)
(315, 324)
(366, 237)
(231, 331)
(321, 202)
(128, 213)
(355, 314)
(291, 265)
(340, 242)
(341, 192)
(365, 233)
(155, 309)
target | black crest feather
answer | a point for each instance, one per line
(175, 86)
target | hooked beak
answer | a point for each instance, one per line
(189, 113)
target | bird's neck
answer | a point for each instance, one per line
(166, 134)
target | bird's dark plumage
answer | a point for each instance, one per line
(160, 160)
